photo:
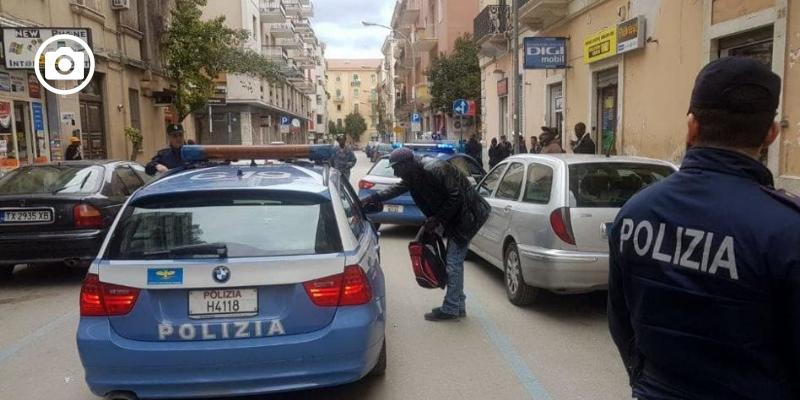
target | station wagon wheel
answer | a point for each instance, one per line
(6, 271)
(518, 292)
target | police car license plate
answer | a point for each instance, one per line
(392, 208)
(26, 216)
(222, 302)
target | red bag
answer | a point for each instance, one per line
(428, 259)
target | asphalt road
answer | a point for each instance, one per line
(559, 348)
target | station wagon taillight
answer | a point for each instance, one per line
(350, 288)
(100, 299)
(560, 222)
(87, 216)
(365, 185)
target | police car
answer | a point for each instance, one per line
(402, 210)
(228, 279)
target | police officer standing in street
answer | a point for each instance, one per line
(169, 158)
(704, 279)
(447, 199)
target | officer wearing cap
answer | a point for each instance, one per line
(704, 269)
(447, 198)
(169, 158)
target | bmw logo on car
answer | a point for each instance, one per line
(221, 274)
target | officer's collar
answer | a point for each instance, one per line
(727, 162)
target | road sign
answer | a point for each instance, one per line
(284, 125)
(416, 122)
(460, 107)
(284, 120)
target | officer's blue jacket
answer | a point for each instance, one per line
(169, 157)
(704, 283)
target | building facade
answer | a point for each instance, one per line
(353, 86)
(631, 67)
(36, 125)
(426, 28)
(319, 100)
(387, 91)
(252, 110)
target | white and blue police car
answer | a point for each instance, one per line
(230, 280)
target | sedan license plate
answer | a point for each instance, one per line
(222, 302)
(26, 216)
(390, 208)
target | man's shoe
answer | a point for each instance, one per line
(438, 315)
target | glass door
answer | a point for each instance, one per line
(23, 132)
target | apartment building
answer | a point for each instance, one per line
(36, 125)
(387, 90)
(426, 28)
(630, 68)
(353, 86)
(251, 110)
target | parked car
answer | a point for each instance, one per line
(550, 217)
(402, 210)
(235, 280)
(60, 212)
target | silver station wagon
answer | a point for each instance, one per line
(550, 214)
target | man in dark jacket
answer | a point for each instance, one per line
(74, 149)
(343, 157)
(448, 200)
(169, 158)
(474, 149)
(704, 274)
(584, 143)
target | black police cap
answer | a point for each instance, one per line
(174, 129)
(740, 85)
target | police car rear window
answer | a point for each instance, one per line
(246, 224)
(610, 185)
(382, 169)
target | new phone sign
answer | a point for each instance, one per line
(545, 52)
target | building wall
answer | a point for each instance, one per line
(456, 21)
(790, 139)
(340, 76)
(116, 79)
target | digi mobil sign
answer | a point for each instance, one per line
(545, 52)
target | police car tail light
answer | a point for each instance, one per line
(355, 288)
(559, 220)
(350, 288)
(87, 216)
(365, 185)
(100, 299)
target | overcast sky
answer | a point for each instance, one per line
(338, 24)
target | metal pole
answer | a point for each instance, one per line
(515, 79)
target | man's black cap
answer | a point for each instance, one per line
(400, 155)
(174, 129)
(739, 85)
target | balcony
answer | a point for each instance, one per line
(275, 54)
(425, 39)
(540, 14)
(490, 28)
(289, 43)
(302, 26)
(305, 86)
(338, 98)
(307, 11)
(272, 11)
(299, 8)
(282, 31)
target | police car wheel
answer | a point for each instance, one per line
(380, 367)
(6, 271)
(518, 292)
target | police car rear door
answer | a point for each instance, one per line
(224, 265)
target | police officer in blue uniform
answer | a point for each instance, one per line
(704, 279)
(169, 158)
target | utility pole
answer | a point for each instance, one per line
(516, 91)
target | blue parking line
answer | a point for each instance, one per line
(510, 354)
(32, 337)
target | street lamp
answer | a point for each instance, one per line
(413, 58)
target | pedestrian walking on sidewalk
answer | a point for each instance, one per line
(704, 268)
(448, 200)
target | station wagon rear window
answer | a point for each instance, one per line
(610, 185)
(243, 224)
(53, 179)
(382, 169)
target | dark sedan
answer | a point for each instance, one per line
(59, 213)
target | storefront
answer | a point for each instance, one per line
(24, 134)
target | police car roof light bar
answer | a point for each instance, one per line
(314, 152)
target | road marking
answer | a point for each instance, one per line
(12, 350)
(510, 354)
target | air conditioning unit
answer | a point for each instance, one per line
(120, 4)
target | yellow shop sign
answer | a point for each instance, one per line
(600, 45)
